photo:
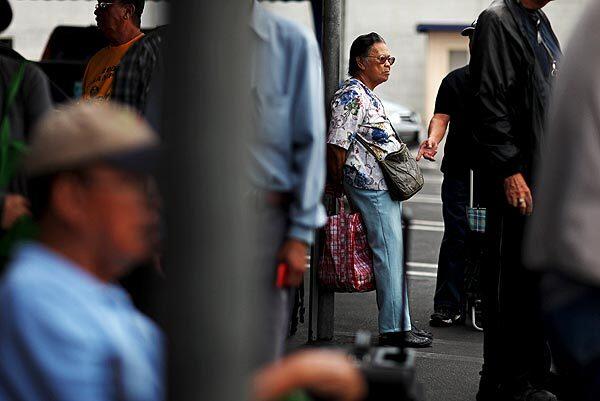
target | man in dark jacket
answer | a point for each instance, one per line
(563, 236)
(513, 66)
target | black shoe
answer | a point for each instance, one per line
(444, 318)
(558, 385)
(405, 339)
(541, 395)
(421, 333)
(487, 391)
(534, 395)
(487, 395)
(530, 394)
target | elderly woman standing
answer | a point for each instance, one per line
(356, 110)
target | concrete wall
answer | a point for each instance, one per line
(396, 21)
(437, 65)
(34, 20)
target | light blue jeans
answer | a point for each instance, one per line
(382, 217)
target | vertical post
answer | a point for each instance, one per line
(317, 9)
(331, 47)
(210, 283)
(321, 314)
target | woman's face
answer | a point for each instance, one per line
(373, 68)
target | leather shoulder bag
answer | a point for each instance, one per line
(400, 170)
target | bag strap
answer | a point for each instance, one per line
(367, 145)
(340, 205)
(9, 100)
(388, 120)
(471, 184)
(394, 129)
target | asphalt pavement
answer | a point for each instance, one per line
(449, 370)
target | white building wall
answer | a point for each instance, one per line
(396, 21)
(34, 20)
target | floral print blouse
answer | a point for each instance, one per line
(356, 110)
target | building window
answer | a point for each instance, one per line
(447, 50)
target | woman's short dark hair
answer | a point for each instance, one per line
(360, 48)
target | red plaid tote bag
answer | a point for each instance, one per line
(347, 262)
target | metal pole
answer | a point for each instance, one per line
(211, 286)
(331, 45)
(317, 9)
(321, 314)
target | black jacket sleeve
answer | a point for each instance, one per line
(494, 67)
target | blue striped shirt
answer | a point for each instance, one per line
(64, 335)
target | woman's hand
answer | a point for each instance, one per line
(337, 190)
(336, 158)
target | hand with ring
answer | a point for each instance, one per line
(518, 194)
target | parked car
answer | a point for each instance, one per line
(406, 122)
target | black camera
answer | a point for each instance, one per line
(390, 372)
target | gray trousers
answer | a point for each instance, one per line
(272, 225)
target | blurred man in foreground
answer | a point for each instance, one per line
(119, 21)
(563, 236)
(67, 332)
